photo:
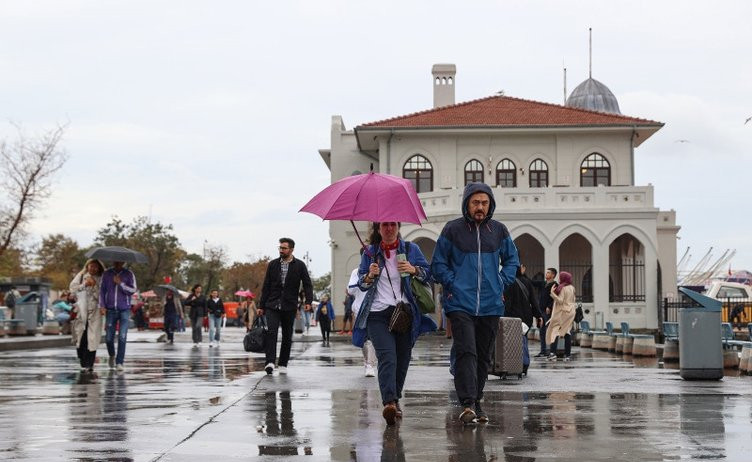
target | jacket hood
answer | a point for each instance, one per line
(472, 188)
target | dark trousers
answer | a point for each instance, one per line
(196, 325)
(567, 345)
(543, 329)
(85, 356)
(170, 324)
(275, 319)
(326, 327)
(393, 353)
(474, 338)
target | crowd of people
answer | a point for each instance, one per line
(475, 262)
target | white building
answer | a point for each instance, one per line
(562, 176)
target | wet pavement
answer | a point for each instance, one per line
(175, 403)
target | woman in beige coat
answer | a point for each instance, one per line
(562, 316)
(87, 327)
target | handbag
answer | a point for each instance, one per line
(402, 316)
(422, 292)
(254, 340)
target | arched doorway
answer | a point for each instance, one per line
(576, 258)
(626, 269)
(427, 246)
(532, 256)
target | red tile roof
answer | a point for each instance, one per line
(504, 111)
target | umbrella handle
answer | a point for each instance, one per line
(365, 247)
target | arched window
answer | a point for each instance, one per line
(538, 174)
(506, 174)
(473, 171)
(595, 170)
(419, 171)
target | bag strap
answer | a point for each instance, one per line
(524, 290)
(391, 286)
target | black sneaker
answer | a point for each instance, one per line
(542, 354)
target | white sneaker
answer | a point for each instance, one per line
(269, 368)
(370, 372)
(120, 368)
(211, 344)
(282, 369)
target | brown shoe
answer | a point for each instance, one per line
(390, 414)
(399, 409)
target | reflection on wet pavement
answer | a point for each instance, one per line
(175, 403)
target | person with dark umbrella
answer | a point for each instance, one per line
(115, 293)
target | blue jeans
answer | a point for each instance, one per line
(112, 319)
(215, 324)
(393, 352)
(526, 352)
(306, 318)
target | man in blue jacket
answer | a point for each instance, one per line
(466, 262)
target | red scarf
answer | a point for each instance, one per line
(387, 247)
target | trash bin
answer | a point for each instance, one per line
(700, 348)
(29, 312)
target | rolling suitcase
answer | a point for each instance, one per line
(506, 358)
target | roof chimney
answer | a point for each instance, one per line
(443, 84)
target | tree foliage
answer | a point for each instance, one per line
(323, 283)
(59, 258)
(153, 239)
(27, 169)
(248, 276)
(12, 262)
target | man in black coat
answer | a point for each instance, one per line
(279, 302)
(520, 302)
(546, 304)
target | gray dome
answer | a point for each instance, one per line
(594, 96)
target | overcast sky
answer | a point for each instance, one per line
(209, 115)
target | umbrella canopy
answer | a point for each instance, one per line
(245, 293)
(148, 294)
(368, 197)
(162, 289)
(115, 253)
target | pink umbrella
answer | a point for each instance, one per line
(368, 197)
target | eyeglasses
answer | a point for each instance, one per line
(284, 248)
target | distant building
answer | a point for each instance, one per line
(563, 178)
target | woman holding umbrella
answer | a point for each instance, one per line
(173, 313)
(385, 271)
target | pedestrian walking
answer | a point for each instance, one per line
(348, 317)
(250, 312)
(520, 302)
(197, 303)
(304, 311)
(116, 290)
(173, 313)
(87, 327)
(284, 276)
(215, 308)
(562, 316)
(384, 273)
(546, 304)
(466, 261)
(10, 301)
(369, 353)
(325, 317)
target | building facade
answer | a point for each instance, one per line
(562, 176)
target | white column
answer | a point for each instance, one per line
(551, 257)
(651, 288)
(600, 281)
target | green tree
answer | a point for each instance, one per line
(59, 258)
(323, 283)
(153, 239)
(248, 276)
(12, 262)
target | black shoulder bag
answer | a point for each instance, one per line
(402, 317)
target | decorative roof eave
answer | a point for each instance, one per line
(368, 136)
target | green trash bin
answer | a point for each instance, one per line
(700, 348)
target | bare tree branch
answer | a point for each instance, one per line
(27, 167)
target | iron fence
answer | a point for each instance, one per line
(737, 311)
(627, 281)
(582, 279)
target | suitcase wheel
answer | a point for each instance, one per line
(503, 376)
(519, 376)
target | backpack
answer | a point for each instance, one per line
(10, 300)
(578, 314)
